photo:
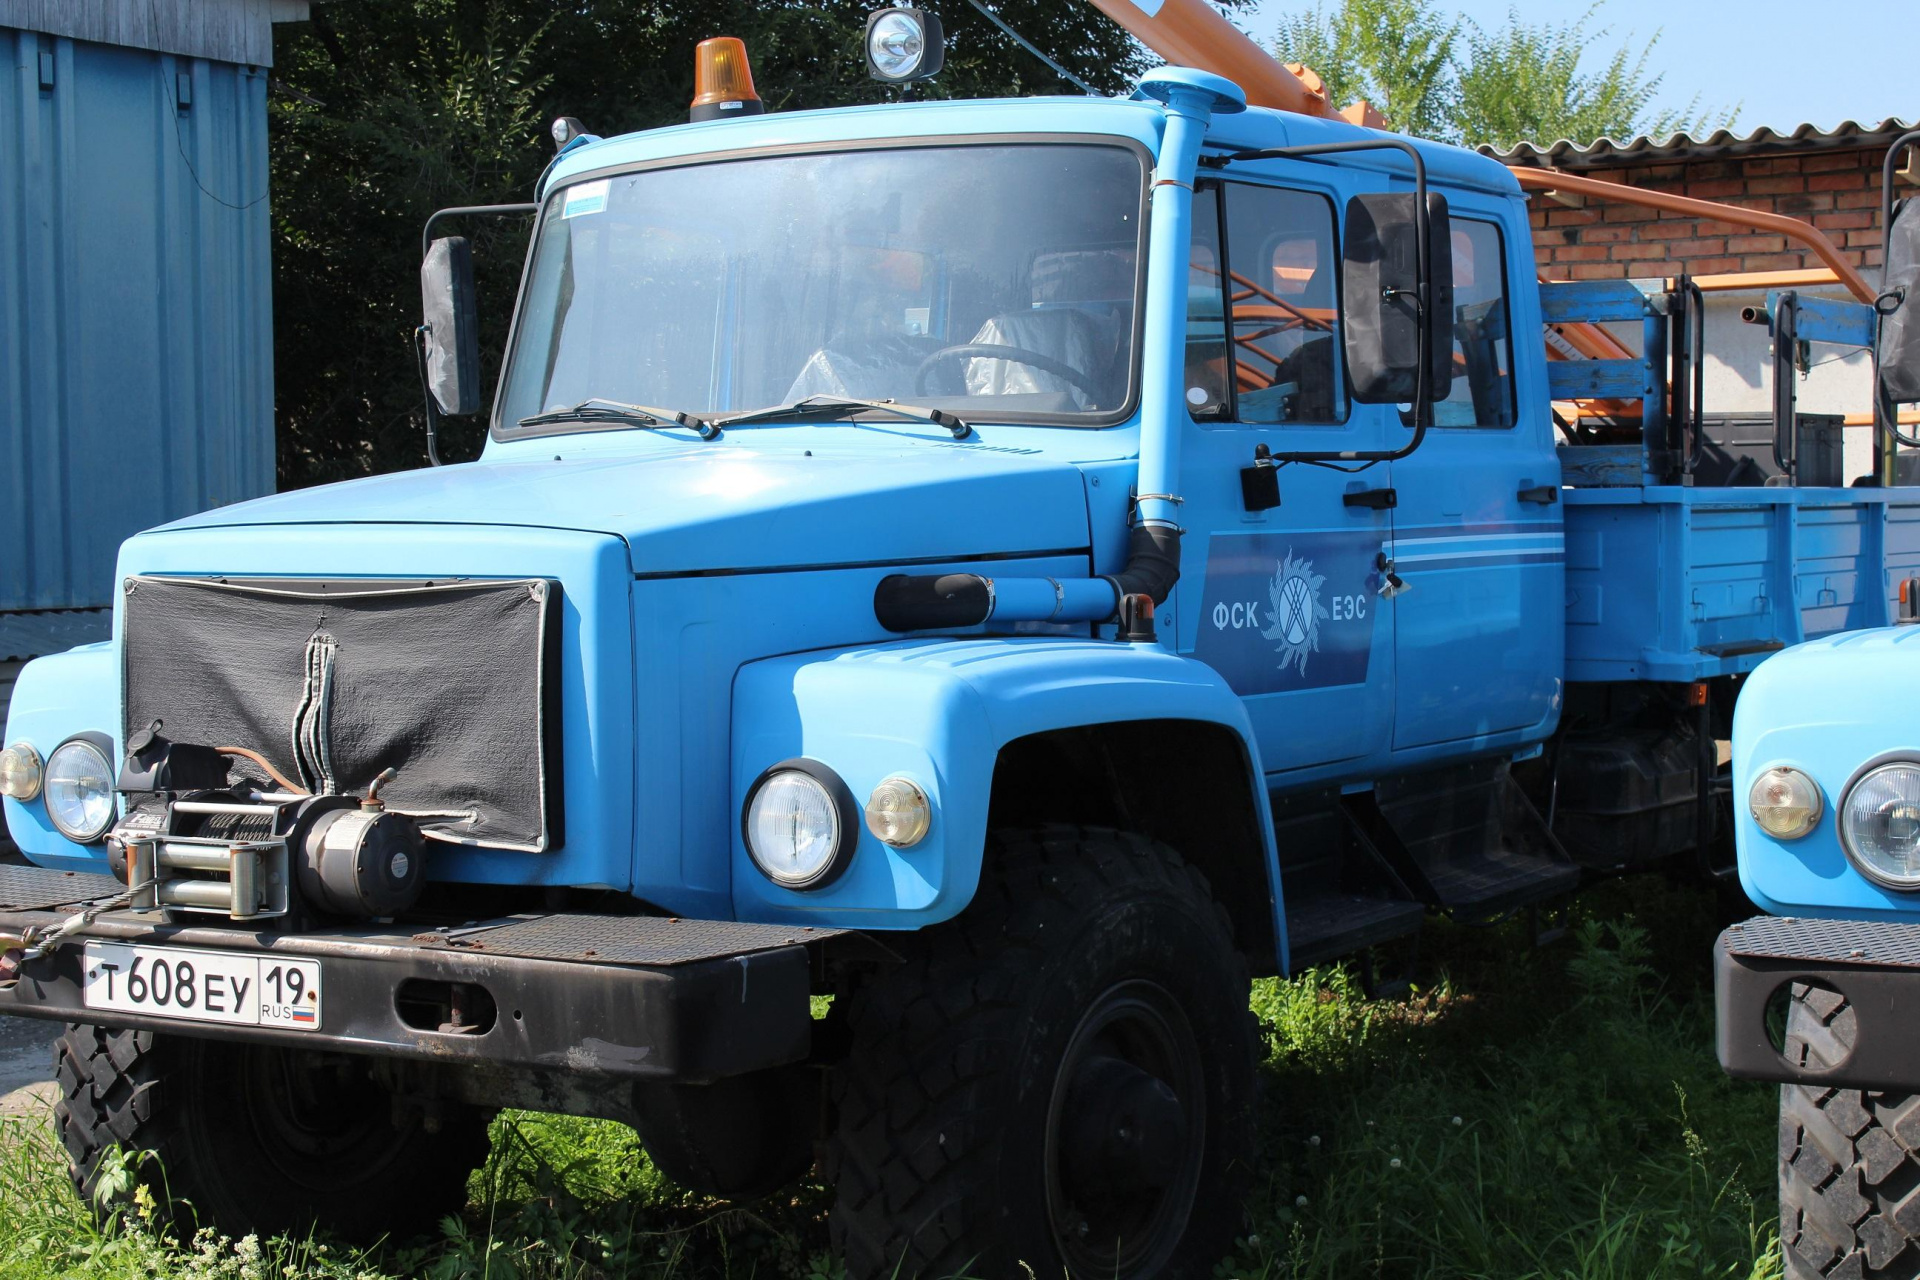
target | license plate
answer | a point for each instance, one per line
(203, 986)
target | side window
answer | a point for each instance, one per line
(1208, 370)
(1482, 394)
(1283, 306)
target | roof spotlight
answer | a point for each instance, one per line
(565, 130)
(904, 45)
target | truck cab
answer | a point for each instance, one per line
(994, 575)
(1820, 995)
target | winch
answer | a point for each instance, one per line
(190, 841)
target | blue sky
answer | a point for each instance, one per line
(1778, 63)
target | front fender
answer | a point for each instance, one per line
(56, 697)
(939, 712)
(1826, 709)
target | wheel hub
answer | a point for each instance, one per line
(1125, 1134)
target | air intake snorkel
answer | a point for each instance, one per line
(910, 602)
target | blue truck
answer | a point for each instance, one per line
(951, 590)
(1820, 995)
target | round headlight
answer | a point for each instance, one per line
(898, 812)
(20, 772)
(1880, 824)
(799, 824)
(79, 790)
(1785, 803)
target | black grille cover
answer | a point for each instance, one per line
(453, 684)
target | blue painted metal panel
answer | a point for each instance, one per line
(135, 327)
(1670, 583)
(55, 698)
(747, 500)
(1591, 301)
(939, 711)
(1599, 379)
(1835, 320)
(1825, 708)
(596, 667)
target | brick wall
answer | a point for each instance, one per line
(1838, 191)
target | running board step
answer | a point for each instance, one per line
(1327, 926)
(1464, 839)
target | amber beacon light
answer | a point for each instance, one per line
(723, 81)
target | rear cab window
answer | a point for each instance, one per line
(1482, 393)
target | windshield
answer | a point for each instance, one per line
(994, 281)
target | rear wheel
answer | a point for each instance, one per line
(251, 1138)
(1062, 1077)
(1849, 1160)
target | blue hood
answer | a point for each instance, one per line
(728, 506)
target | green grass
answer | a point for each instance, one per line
(1549, 1113)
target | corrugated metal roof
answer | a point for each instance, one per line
(238, 31)
(1568, 154)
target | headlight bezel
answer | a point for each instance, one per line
(1907, 759)
(39, 770)
(847, 816)
(102, 746)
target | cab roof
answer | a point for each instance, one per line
(1130, 119)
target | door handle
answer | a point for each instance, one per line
(1544, 494)
(1378, 499)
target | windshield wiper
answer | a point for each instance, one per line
(843, 408)
(596, 409)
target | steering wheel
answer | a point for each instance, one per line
(998, 351)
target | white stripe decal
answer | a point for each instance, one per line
(1556, 539)
(1537, 553)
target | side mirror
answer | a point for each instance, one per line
(450, 328)
(1897, 351)
(1385, 340)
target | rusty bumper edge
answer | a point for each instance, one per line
(694, 1022)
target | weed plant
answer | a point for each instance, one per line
(1539, 1113)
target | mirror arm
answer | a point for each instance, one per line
(420, 333)
(1422, 411)
(433, 410)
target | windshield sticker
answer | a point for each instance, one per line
(1283, 612)
(587, 197)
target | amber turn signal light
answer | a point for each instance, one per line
(722, 81)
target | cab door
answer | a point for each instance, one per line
(1282, 601)
(1477, 534)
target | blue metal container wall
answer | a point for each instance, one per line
(136, 378)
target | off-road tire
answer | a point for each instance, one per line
(195, 1104)
(938, 1155)
(1849, 1160)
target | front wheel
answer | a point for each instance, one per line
(1063, 1077)
(1849, 1160)
(259, 1139)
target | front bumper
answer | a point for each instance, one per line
(1874, 964)
(622, 997)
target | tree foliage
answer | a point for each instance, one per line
(1397, 54)
(385, 110)
(1449, 78)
